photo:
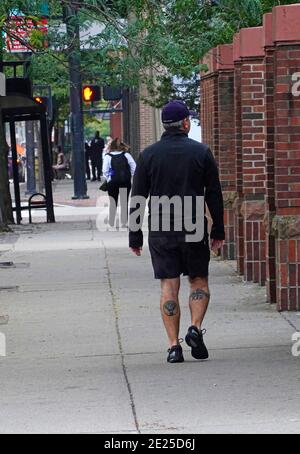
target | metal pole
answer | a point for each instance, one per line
(41, 185)
(15, 170)
(1, 49)
(77, 134)
(2, 208)
(30, 158)
(47, 168)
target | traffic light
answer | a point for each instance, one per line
(91, 93)
(43, 100)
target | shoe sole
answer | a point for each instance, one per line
(192, 343)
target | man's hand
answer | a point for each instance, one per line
(137, 251)
(216, 245)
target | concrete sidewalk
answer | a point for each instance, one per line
(86, 350)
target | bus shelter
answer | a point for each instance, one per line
(20, 108)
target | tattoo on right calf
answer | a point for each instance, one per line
(170, 308)
(199, 294)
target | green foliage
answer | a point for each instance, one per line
(133, 40)
(93, 124)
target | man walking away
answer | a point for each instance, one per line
(179, 166)
(97, 147)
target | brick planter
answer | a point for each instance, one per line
(218, 129)
(259, 152)
(250, 153)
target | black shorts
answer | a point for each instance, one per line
(172, 257)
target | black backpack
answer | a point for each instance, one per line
(120, 169)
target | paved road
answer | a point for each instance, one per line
(86, 350)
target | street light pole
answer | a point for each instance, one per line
(2, 208)
(30, 158)
(77, 134)
(6, 214)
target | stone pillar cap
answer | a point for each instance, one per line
(286, 23)
(268, 30)
(237, 47)
(252, 42)
(225, 56)
(219, 58)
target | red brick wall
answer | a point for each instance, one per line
(253, 133)
(150, 125)
(146, 125)
(270, 174)
(226, 151)
(287, 177)
(239, 223)
(209, 112)
(287, 130)
(288, 269)
(254, 171)
(265, 138)
(116, 125)
(217, 105)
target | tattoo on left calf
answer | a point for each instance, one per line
(170, 308)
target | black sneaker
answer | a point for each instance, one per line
(175, 354)
(194, 339)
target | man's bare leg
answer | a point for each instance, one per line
(170, 308)
(199, 300)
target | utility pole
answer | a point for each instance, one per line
(2, 208)
(77, 134)
(30, 158)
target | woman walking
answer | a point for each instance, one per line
(118, 170)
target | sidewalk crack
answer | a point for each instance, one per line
(120, 344)
(289, 321)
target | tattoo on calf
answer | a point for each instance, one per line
(199, 294)
(170, 308)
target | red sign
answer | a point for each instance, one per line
(21, 30)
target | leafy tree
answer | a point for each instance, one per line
(133, 42)
(132, 36)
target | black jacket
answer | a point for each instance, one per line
(179, 166)
(96, 149)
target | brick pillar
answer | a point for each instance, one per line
(227, 156)
(141, 122)
(150, 124)
(217, 104)
(286, 224)
(270, 158)
(209, 103)
(239, 222)
(253, 153)
(116, 125)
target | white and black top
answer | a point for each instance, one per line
(107, 164)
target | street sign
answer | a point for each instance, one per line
(112, 93)
(2, 85)
(21, 31)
